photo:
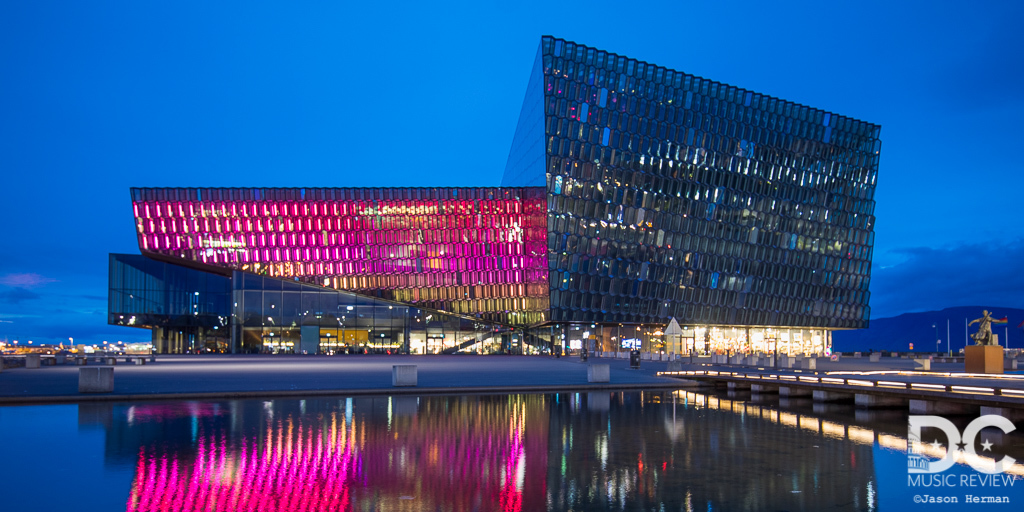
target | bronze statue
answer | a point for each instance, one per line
(984, 334)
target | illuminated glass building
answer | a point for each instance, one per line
(632, 194)
(747, 218)
(333, 270)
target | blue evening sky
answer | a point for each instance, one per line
(99, 96)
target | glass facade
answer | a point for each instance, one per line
(632, 194)
(193, 311)
(463, 250)
(286, 316)
(526, 162)
(670, 195)
(188, 310)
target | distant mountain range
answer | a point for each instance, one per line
(898, 332)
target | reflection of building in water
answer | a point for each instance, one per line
(705, 454)
(592, 451)
(455, 453)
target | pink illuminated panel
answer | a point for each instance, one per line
(467, 251)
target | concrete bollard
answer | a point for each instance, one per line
(112, 361)
(32, 360)
(598, 373)
(81, 361)
(60, 359)
(809, 363)
(785, 361)
(403, 375)
(875, 357)
(139, 361)
(95, 380)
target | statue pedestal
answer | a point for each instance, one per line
(983, 359)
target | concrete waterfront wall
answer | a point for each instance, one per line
(764, 389)
(794, 391)
(1009, 413)
(821, 395)
(870, 401)
(941, 407)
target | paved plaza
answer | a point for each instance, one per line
(237, 375)
(191, 376)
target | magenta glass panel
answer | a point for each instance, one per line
(467, 250)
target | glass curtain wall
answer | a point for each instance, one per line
(701, 339)
(670, 195)
(187, 310)
(287, 317)
(469, 251)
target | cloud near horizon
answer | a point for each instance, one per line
(25, 280)
(16, 295)
(962, 275)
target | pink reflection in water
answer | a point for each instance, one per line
(476, 456)
(164, 412)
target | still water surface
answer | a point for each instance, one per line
(660, 451)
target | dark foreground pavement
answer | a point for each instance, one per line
(254, 376)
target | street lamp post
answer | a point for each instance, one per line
(937, 340)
